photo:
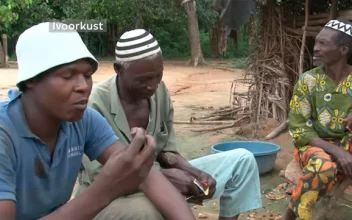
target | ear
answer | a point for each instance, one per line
(344, 50)
(30, 83)
(118, 68)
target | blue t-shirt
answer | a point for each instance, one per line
(38, 185)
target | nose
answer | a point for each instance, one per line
(316, 48)
(153, 84)
(82, 84)
(152, 87)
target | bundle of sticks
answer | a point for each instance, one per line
(224, 117)
(272, 67)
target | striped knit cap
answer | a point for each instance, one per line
(340, 26)
(136, 44)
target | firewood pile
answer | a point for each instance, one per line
(272, 69)
(222, 118)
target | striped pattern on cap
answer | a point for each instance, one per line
(340, 26)
(136, 44)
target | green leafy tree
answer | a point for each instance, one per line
(23, 16)
(8, 10)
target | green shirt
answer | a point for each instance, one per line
(318, 107)
(106, 101)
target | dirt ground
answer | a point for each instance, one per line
(195, 91)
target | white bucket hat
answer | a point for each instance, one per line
(39, 49)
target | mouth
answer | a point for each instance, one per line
(148, 95)
(316, 58)
(82, 104)
(149, 92)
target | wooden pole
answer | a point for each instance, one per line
(1, 55)
(333, 9)
(277, 130)
(4, 45)
(303, 46)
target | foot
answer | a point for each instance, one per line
(290, 215)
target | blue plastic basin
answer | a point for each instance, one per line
(264, 152)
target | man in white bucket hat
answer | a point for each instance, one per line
(46, 128)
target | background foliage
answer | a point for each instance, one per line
(165, 19)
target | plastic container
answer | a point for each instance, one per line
(264, 152)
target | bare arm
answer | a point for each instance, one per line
(7, 210)
(169, 156)
(93, 197)
(165, 197)
(7, 177)
(68, 211)
(175, 160)
(178, 170)
(90, 203)
(160, 191)
(328, 147)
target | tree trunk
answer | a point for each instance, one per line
(138, 22)
(218, 39)
(5, 51)
(2, 60)
(86, 39)
(196, 51)
(235, 36)
(251, 32)
(304, 39)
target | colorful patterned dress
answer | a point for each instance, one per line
(317, 109)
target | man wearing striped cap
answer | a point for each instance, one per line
(320, 125)
(137, 96)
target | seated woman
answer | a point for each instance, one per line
(320, 106)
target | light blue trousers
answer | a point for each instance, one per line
(237, 176)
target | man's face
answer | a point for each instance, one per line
(142, 77)
(326, 50)
(64, 91)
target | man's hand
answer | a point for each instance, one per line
(344, 161)
(182, 181)
(348, 122)
(208, 182)
(125, 169)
